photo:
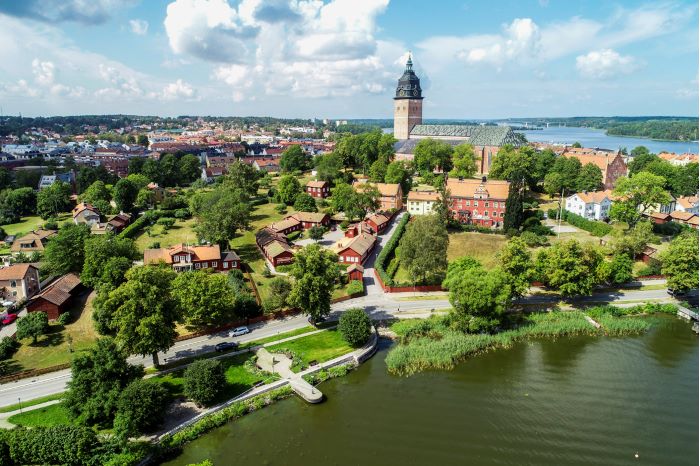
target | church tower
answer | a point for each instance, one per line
(408, 103)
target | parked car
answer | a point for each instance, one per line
(237, 332)
(225, 345)
(9, 319)
(316, 322)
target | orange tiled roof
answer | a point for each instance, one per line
(496, 189)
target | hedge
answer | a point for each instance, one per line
(71, 445)
(593, 227)
(388, 250)
(355, 287)
(148, 217)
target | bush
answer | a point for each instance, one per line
(593, 227)
(50, 224)
(182, 214)
(204, 381)
(534, 240)
(355, 287)
(355, 326)
(64, 318)
(281, 209)
(154, 245)
(148, 218)
(344, 225)
(8, 346)
(141, 408)
(166, 222)
(669, 228)
(653, 267)
(33, 325)
(388, 250)
(70, 445)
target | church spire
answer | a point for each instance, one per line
(409, 62)
(409, 84)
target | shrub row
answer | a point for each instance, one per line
(593, 227)
(327, 374)
(355, 286)
(388, 250)
(219, 418)
(147, 218)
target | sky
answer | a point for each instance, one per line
(342, 58)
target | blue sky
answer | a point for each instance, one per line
(341, 58)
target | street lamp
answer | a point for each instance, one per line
(19, 401)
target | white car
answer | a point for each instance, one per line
(237, 332)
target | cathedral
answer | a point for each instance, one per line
(409, 128)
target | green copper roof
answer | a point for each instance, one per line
(475, 135)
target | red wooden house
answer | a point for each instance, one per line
(311, 219)
(183, 257)
(355, 250)
(319, 189)
(56, 298)
(377, 222)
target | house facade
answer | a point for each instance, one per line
(56, 298)
(33, 241)
(355, 250)
(286, 226)
(85, 214)
(422, 202)
(19, 282)
(377, 222)
(390, 194)
(478, 202)
(311, 219)
(183, 257)
(592, 206)
(319, 189)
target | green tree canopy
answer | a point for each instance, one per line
(98, 378)
(96, 193)
(516, 263)
(377, 171)
(33, 325)
(569, 267)
(463, 161)
(399, 173)
(293, 159)
(423, 249)
(328, 167)
(590, 178)
(207, 299)
(53, 200)
(125, 193)
(66, 251)
(479, 298)
(141, 408)
(355, 327)
(204, 381)
(430, 154)
(221, 214)
(638, 194)
(680, 263)
(288, 189)
(315, 272)
(189, 169)
(107, 258)
(144, 312)
(305, 203)
(455, 269)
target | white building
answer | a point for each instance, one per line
(422, 202)
(593, 206)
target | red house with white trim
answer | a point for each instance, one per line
(478, 202)
(319, 189)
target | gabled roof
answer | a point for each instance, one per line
(659, 215)
(600, 158)
(423, 196)
(15, 271)
(35, 238)
(285, 224)
(594, 197)
(354, 267)
(474, 135)
(309, 217)
(680, 215)
(497, 189)
(385, 189)
(60, 291)
(199, 253)
(276, 247)
(268, 235)
(361, 243)
(687, 202)
(84, 206)
(378, 219)
(316, 184)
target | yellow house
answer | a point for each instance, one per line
(422, 202)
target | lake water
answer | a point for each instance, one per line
(578, 401)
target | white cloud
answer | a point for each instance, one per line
(178, 90)
(303, 48)
(82, 11)
(138, 26)
(604, 64)
(43, 72)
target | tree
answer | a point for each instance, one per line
(125, 193)
(365, 199)
(208, 299)
(66, 251)
(142, 140)
(456, 268)
(514, 214)
(463, 161)
(680, 263)
(204, 381)
(188, 169)
(637, 194)
(328, 167)
(423, 249)
(315, 272)
(168, 166)
(280, 288)
(430, 154)
(96, 193)
(139, 180)
(479, 299)
(553, 184)
(569, 267)
(576, 145)
(398, 172)
(288, 189)
(33, 325)
(244, 177)
(618, 270)
(144, 312)
(222, 213)
(305, 203)
(5, 178)
(53, 200)
(641, 157)
(633, 241)
(21, 201)
(141, 408)
(516, 263)
(151, 169)
(316, 232)
(355, 327)
(516, 165)
(293, 159)
(342, 196)
(590, 178)
(377, 171)
(98, 377)
(107, 258)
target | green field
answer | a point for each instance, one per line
(52, 415)
(483, 247)
(320, 347)
(181, 232)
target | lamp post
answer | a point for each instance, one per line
(19, 401)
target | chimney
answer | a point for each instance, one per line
(483, 179)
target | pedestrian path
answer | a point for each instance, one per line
(281, 364)
(5, 424)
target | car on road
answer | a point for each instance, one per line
(225, 346)
(316, 322)
(238, 331)
(9, 319)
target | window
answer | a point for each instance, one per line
(176, 258)
(495, 214)
(486, 204)
(196, 265)
(225, 265)
(13, 284)
(14, 293)
(476, 203)
(503, 205)
(214, 264)
(467, 203)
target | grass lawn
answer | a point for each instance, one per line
(181, 232)
(320, 347)
(53, 348)
(26, 225)
(53, 415)
(481, 246)
(34, 402)
(245, 247)
(238, 378)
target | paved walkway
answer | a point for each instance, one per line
(282, 364)
(5, 424)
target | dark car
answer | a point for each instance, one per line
(316, 322)
(9, 319)
(225, 346)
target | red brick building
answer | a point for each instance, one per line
(57, 297)
(478, 202)
(320, 189)
(182, 257)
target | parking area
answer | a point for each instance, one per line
(329, 239)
